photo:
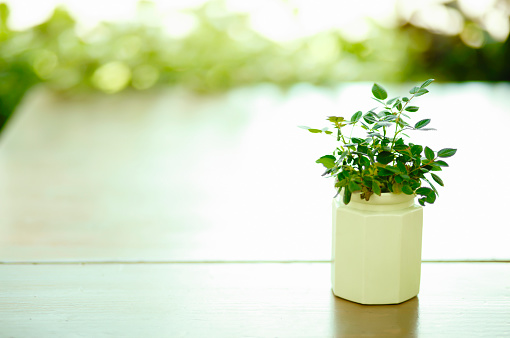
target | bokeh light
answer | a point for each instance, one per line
(234, 71)
(210, 46)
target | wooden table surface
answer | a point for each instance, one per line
(127, 215)
(243, 300)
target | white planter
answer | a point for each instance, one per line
(377, 249)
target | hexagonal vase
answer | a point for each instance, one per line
(377, 249)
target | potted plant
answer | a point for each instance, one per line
(377, 227)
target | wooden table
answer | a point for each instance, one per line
(242, 300)
(127, 215)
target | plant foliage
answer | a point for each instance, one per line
(383, 161)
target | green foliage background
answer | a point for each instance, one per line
(118, 56)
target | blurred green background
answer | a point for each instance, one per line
(213, 46)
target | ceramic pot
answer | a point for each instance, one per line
(377, 248)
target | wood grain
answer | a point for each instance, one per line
(243, 300)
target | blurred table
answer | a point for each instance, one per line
(171, 214)
(172, 176)
(155, 176)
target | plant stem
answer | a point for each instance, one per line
(397, 125)
(423, 165)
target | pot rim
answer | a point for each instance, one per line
(386, 198)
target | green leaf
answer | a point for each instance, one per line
(405, 99)
(402, 123)
(400, 147)
(428, 198)
(414, 90)
(370, 118)
(389, 118)
(424, 170)
(347, 195)
(355, 118)
(328, 161)
(416, 150)
(384, 172)
(376, 188)
(412, 109)
(406, 189)
(415, 184)
(379, 92)
(315, 131)
(353, 186)
(395, 170)
(422, 123)
(383, 113)
(335, 119)
(382, 124)
(435, 167)
(424, 191)
(421, 92)
(328, 132)
(342, 156)
(441, 163)
(432, 186)
(401, 166)
(429, 153)
(385, 157)
(437, 179)
(446, 152)
(426, 83)
(365, 162)
(391, 101)
(431, 198)
(363, 149)
(396, 188)
(367, 181)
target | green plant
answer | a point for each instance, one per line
(383, 161)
